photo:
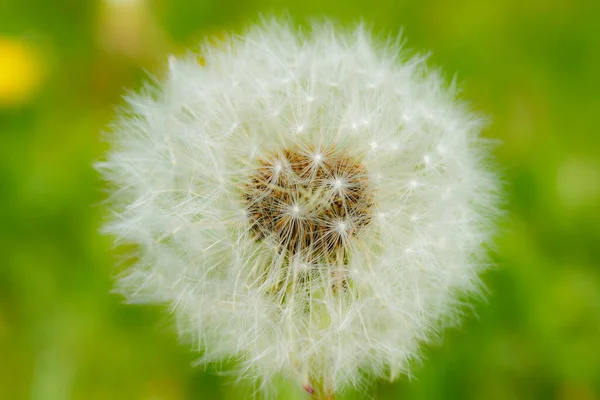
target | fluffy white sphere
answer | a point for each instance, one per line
(310, 204)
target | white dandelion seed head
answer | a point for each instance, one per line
(310, 204)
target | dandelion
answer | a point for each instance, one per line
(21, 72)
(313, 204)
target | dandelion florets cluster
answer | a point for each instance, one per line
(310, 204)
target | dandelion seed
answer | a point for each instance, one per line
(286, 236)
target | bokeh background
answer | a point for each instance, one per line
(533, 66)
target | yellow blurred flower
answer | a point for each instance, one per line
(20, 71)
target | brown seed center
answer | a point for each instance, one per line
(310, 202)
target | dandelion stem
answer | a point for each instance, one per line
(324, 396)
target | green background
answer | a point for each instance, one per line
(533, 66)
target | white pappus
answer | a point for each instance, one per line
(312, 204)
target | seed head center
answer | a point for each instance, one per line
(310, 203)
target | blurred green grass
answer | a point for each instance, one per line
(532, 66)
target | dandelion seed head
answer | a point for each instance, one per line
(310, 204)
